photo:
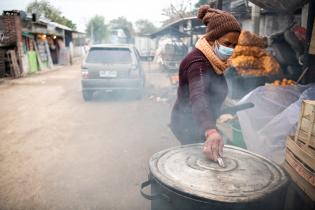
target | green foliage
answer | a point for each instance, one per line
(97, 26)
(44, 9)
(122, 23)
(144, 26)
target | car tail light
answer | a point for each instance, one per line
(85, 74)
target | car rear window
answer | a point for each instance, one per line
(109, 55)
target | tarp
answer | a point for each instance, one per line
(267, 126)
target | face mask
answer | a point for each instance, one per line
(222, 52)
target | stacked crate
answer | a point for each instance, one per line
(300, 152)
(2, 62)
(13, 63)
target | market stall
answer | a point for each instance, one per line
(274, 74)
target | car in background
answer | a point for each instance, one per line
(170, 54)
(112, 67)
(146, 47)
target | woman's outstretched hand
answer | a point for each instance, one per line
(213, 146)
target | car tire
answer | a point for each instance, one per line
(140, 91)
(87, 95)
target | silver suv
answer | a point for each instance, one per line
(112, 68)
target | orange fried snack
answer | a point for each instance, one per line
(276, 83)
(291, 82)
(247, 38)
(254, 51)
(284, 82)
(246, 62)
(270, 65)
(251, 72)
(250, 57)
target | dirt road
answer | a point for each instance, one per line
(59, 152)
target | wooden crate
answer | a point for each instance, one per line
(305, 133)
(300, 181)
(300, 151)
(301, 168)
(14, 66)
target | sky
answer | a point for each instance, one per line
(80, 11)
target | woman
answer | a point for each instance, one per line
(202, 86)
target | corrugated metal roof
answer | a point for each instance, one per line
(47, 21)
(172, 28)
(58, 25)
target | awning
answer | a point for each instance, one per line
(171, 31)
(28, 34)
(286, 6)
(197, 27)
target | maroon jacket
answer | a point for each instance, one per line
(200, 95)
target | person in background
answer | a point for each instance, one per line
(202, 86)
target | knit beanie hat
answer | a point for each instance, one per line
(218, 22)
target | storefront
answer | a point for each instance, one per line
(29, 51)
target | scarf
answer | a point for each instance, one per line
(218, 65)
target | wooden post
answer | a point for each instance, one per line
(310, 45)
(256, 18)
(219, 4)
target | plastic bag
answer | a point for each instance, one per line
(266, 127)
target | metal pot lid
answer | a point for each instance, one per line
(246, 176)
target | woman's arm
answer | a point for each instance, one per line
(199, 80)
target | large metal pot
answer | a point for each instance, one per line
(182, 178)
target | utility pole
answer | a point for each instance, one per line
(92, 33)
(256, 18)
(219, 4)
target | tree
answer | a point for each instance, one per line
(97, 30)
(177, 10)
(124, 24)
(144, 26)
(44, 9)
